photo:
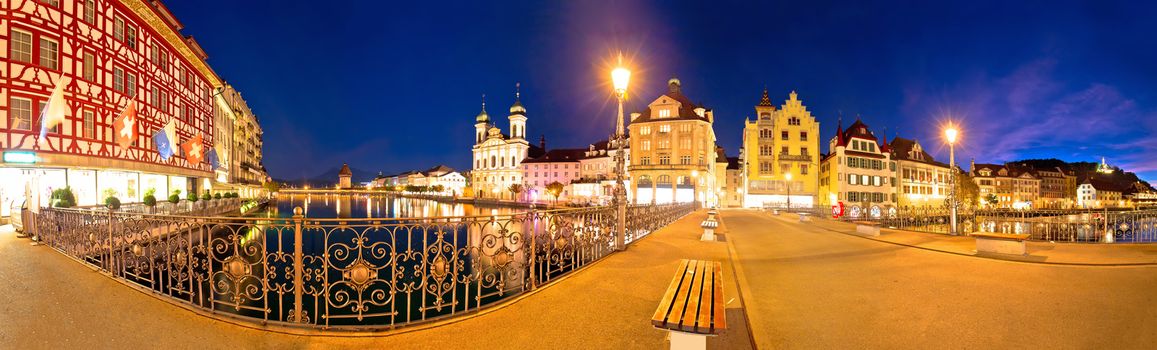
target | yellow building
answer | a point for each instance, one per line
(778, 143)
(673, 142)
(922, 181)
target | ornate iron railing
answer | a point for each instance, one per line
(1134, 226)
(360, 274)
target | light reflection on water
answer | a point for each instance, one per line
(375, 206)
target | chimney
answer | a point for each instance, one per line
(971, 165)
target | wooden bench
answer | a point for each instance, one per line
(870, 228)
(1000, 243)
(709, 227)
(693, 307)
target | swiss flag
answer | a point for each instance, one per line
(194, 150)
(125, 126)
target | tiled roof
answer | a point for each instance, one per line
(564, 155)
(345, 170)
(686, 107)
(901, 149)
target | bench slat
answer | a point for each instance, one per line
(694, 302)
(703, 319)
(660, 317)
(675, 317)
(718, 305)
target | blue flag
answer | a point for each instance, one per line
(164, 146)
(212, 156)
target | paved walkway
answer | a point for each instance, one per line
(53, 302)
(811, 286)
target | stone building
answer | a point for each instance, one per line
(922, 181)
(778, 143)
(673, 150)
(496, 156)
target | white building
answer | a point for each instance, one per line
(497, 156)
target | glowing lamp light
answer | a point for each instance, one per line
(20, 157)
(620, 77)
(950, 134)
(788, 176)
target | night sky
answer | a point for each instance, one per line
(395, 85)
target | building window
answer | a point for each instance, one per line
(664, 160)
(803, 151)
(685, 143)
(130, 84)
(685, 160)
(664, 144)
(664, 113)
(685, 128)
(90, 11)
(118, 28)
(21, 111)
(646, 145)
(646, 161)
(644, 130)
(155, 96)
(784, 168)
(793, 121)
(88, 124)
(89, 67)
(783, 150)
(118, 79)
(803, 169)
(665, 128)
(21, 49)
(765, 167)
(783, 135)
(803, 135)
(131, 37)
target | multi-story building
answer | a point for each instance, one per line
(597, 174)
(673, 150)
(778, 143)
(1096, 193)
(921, 180)
(107, 54)
(497, 157)
(1053, 188)
(730, 183)
(557, 165)
(858, 173)
(1012, 185)
(246, 170)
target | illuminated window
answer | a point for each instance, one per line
(664, 144)
(89, 67)
(646, 145)
(645, 130)
(685, 143)
(21, 111)
(118, 79)
(130, 84)
(664, 113)
(21, 49)
(665, 128)
(685, 128)
(90, 11)
(88, 124)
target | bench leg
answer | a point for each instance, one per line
(688, 341)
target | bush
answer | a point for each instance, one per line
(150, 198)
(112, 202)
(206, 196)
(192, 197)
(63, 198)
(216, 196)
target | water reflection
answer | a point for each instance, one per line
(375, 206)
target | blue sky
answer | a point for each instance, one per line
(392, 86)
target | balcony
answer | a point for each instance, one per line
(795, 157)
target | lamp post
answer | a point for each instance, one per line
(788, 176)
(620, 76)
(950, 135)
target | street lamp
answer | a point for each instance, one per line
(788, 176)
(950, 135)
(620, 77)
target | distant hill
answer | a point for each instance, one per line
(329, 177)
(1083, 170)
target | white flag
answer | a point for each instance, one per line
(55, 109)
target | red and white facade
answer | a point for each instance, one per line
(112, 52)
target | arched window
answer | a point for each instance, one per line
(503, 161)
(493, 161)
(513, 161)
(644, 181)
(664, 180)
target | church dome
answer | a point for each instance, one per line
(517, 108)
(482, 117)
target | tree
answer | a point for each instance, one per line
(991, 199)
(967, 192)
(515, 189)
(555, 189)
(272, 186)
(63, 198)
(438, 188)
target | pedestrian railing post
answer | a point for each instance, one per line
(532, 219)
(108, 262)
(298, 266)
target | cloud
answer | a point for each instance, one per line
(1031, 111)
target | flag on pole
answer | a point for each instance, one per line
(125, 126)
(212, 157)
(165, 139)
(56, 108)
(194, 150)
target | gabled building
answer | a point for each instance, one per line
(778, 143)
(1014, 186)
(858, 172)
(922, 181)
(496, 156)
(557, 165)
(1096, 193)
(672, 150)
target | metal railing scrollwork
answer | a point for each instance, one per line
(346, 274)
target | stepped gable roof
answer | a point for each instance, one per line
(732, 163)
(686, 107)
(345, 170)
(562, 155)
(903, 149)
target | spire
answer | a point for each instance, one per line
(765, 101)
(482, 116)
(517, 108)
(517, 91)
(840, 130)
(884, 147)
